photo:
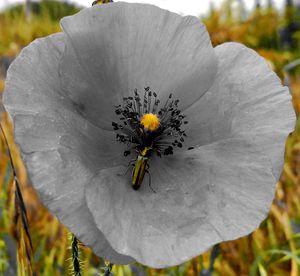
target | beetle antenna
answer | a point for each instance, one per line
(128, 168)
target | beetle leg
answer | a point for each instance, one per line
(131, 161)
(150, 180)
(128, 167)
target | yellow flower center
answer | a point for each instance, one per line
(150, 121)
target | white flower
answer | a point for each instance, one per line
(62, 91)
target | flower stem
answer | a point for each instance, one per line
(76, 268)
(213, 256)
(108, 269)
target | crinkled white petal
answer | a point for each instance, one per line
(216, 192)
(61, 92)
(246, 99)
(61, 149)
(115, 48)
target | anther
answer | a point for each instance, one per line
(150, 122)
(126, 152)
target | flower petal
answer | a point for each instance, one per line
(61, 149)
(46, 118)
(60, 180)
(216, 192)
(246, 99)
(118, 47)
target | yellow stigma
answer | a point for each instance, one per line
(150, 121)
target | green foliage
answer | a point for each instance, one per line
(3, 257)
(54, 9)
(17, 31)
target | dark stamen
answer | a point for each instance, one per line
(126, 152)
(165, 138)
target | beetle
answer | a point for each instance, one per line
(140, 168)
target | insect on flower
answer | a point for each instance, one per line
(146, 129)
(75, 109)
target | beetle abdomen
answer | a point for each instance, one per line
(139, 172)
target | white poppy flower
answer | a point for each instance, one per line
(63, 92)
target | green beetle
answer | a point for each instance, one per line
(140, 168)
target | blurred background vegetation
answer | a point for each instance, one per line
(274, 249)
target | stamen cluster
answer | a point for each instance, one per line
(131, 131)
